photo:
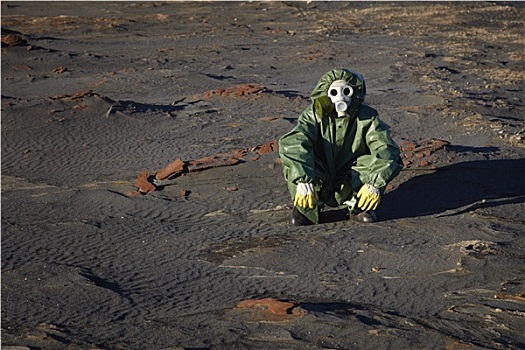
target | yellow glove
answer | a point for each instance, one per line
(369, 197)
(305, 195)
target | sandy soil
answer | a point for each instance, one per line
(94, 94)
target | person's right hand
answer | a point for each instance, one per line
(305, 195)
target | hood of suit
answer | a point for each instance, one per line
(353, 79)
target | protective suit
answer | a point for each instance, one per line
(338, 152)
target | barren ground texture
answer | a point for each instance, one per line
(143, 202)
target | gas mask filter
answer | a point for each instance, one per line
(340, 94)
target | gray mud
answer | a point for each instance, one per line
(93, 93)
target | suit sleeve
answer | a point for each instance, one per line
(384, 162)
(296, 149)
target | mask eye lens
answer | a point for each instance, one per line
(347, 91)
(333, 92)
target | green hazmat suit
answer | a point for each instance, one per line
(338, 154)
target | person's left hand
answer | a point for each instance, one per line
(369, 197)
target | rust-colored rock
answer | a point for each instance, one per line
(80, 94)
(60, 70)
(268, 119)
(407, 145)
(240, 153)
(417, 154)
(209, 94)
(272, 305)
(185, 194)
(132, 194)
(438, 143)
(217, 160)
(268, 147)
(270, 310)
(241, 90)
(143, 183)
(174, 168)
(22, 67)
(13, 40)
(59, 97)
(73, 96)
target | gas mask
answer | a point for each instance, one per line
(340, 94)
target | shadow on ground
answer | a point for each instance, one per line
(462, 187)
